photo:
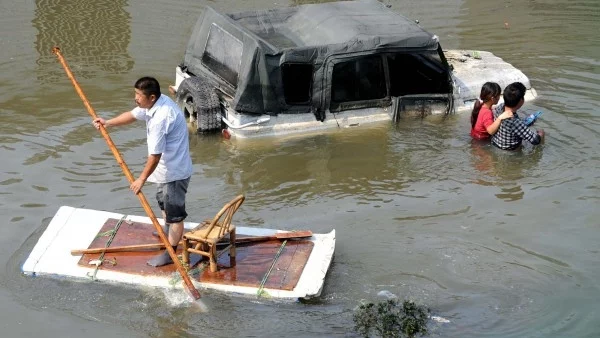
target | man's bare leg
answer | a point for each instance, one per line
(174, 235)
(165, 227)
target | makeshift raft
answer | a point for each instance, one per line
(292, 269)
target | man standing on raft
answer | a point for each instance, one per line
(169, 163)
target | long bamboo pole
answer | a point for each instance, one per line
(156, 246)
(188, 283)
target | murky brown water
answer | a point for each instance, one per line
(502, 245)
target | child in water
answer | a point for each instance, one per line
(483, 125)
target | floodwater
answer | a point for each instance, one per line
(499, 244)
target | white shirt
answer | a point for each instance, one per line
(167, 134)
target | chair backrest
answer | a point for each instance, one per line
(224, 216)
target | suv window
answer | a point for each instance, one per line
(223, 54)
(297, 81)
(422, 73)
(358, 80)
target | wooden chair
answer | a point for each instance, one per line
(203, 239)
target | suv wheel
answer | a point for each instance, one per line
(200, 103)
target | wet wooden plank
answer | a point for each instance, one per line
(253, 263)
(253, 260)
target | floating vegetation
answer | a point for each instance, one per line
(389, 319)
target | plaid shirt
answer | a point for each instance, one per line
(512, 132)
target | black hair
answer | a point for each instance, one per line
(489, 90)
(513, 94)
(148, 85)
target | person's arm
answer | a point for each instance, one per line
(527, 134)
(151, 164)
(493, 127)
(157, 145)
(125, 118)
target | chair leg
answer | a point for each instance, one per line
(213, 258)
(232, 248)
(186, 254)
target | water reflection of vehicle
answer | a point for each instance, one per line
(102, 50)
(317, 66)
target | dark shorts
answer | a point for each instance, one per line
(171, 199)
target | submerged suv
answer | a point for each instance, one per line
(330, 65)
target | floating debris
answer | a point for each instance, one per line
(390, 319)
(440, 319)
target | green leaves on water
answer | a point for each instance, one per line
(389, 319)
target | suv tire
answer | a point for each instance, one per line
(200, 103)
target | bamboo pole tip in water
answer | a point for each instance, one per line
(55, 50)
